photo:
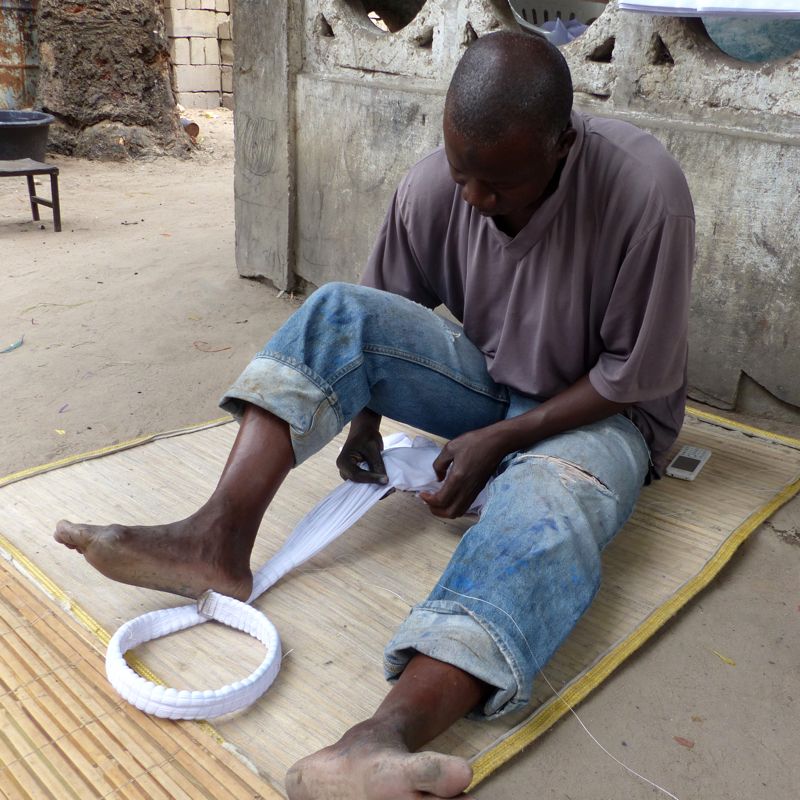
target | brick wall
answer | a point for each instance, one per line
(201, 49)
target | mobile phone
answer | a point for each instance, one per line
(686, 465)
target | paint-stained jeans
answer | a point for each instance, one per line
(527, 570)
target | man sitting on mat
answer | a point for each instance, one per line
(563, 243)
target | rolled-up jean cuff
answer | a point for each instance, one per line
(292, 392)
(447, 632)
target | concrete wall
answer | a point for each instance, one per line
(201, 51)
(337, 110)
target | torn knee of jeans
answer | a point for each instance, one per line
(452, 332)
(570, 473)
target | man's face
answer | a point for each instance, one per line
(509, 178)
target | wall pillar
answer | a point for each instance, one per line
(264, 80)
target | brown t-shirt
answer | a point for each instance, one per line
(597, 282)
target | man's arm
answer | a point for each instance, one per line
(467, 462)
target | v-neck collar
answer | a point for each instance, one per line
(517, 246)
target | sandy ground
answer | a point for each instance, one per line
(134, 321)
(134, 318)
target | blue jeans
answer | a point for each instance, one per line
(523, 575)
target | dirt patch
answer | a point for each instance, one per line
(786, 533)
(790, 537)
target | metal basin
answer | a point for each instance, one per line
(23, 134)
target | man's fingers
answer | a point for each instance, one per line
(428, 497)
(350, 468)
(375, 471)
(375, 463)
(437, 499)
(452, 500)
(441, 503)
(442, 463)
(345, 465)
(445, 512)
(360, 475)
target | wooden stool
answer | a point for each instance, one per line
(28, 167)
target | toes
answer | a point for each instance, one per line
(296, 788)
(294, 780)
(392, 775)
(70, 535)
(439, 775)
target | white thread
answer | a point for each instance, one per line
(387, 589)
(559, 696)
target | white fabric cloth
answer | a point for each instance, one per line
(409, 467)
(702, 8)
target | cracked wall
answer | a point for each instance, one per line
(332, 111)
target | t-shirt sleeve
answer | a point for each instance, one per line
(393, 264)
(645, 327)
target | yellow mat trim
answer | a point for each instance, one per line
(19, 560)
(66, 734)
(487, 762)
(105, 451)
(716, 419)
(22, 563)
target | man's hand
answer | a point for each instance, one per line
(364, 445)
(473, 457)
(465, 465)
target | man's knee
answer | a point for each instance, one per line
(337, 296)
(564, 506)
(333, 311)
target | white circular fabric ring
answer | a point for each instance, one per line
(169, 703)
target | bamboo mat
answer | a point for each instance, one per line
(335, 613)
(64, 732)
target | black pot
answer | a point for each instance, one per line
(23, 134)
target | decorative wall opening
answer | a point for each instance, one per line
(468, 36)
(659, 53)
(322, 27)
(388, 15)
(604, 52)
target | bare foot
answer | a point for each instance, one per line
(370, 764)
(184, 558)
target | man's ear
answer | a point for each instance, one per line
(565, 141)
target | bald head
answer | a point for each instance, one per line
(510, 82)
